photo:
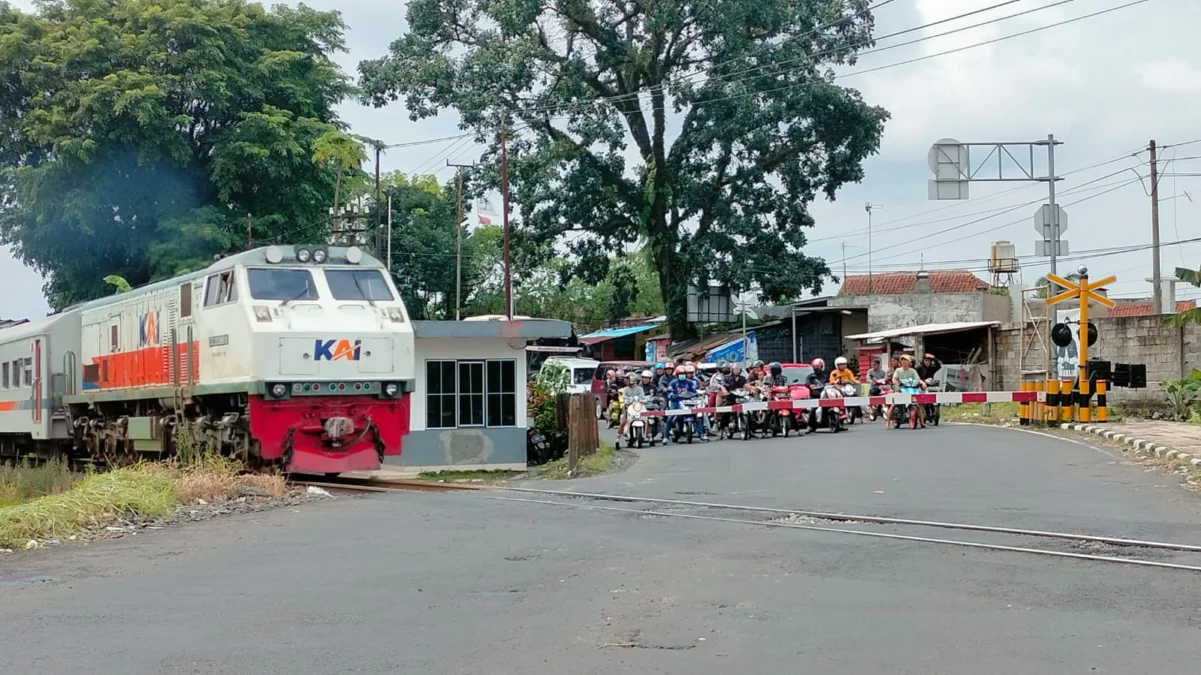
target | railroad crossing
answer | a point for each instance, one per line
(1084, 291)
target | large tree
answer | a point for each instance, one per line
(702, 129)
(137, 137)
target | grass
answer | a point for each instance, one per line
(484, 476)
(974, 412)
(62, 504)
(596, 463)
(23, 482)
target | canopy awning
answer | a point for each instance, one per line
(925, 329)
(610, 333)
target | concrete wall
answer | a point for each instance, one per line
(1169, 353)
(475, 447)
(886, 312)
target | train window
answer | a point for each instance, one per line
(5, 376)
(16, 381)
(221, 289)
(358, 285)
(185, 300)
(28, 371)
(281, 284)
(115, 337)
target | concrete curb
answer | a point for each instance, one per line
(1137, 444)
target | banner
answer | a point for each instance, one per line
(733, 351)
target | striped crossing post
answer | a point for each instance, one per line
(1024, 407)
(1052, 407)
(1039, 413)
(1102, 410)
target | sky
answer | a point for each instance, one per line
(1104, 86)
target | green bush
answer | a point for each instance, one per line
(1183, 396)
(547, 439)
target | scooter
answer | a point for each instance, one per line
(933, 410)
(854, 413)
(687, 421)
(636, 427)
(902, 414)
(831, 417)
(781, 421)
(877, 411)
(731, 424)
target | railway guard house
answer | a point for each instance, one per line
(468, 411)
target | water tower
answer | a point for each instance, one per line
(1002, 261)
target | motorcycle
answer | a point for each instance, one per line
(731, 424)
(685, 425)
(854, 413)
(637, 431)
(933, 410)
(902, 414)
(781, 421)
(833, 417)
(615, 408)
(654, 425)
(877, 411)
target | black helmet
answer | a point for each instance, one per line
(757, 364)
(775, 368)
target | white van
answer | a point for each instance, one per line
(581, 371)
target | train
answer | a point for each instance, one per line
(292, 358)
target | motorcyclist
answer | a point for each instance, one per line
(906, 372)
(876, 374)
(775, 376)
(841, 373)
(818, 378)
(663, 380)
(638, 388)
(683, 388)
(929, 367)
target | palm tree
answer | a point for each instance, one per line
(1044, 284)
(341, 150)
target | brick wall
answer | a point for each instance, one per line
(1168, 352)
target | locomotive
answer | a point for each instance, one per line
(291, 357)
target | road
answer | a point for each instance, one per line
(464, 583)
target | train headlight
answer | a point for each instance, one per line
(262, 314)
(279, 390)
(319, 256)
(395, 315)
(391, 389)
(304, 255)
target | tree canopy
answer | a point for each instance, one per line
(703, 130)
(139, 135)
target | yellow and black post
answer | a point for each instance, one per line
(1067, 400)
(1052, 407)
(1024, 406)
(1039, 411)
(1085, 411)
(1102, 410)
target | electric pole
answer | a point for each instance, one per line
(1156, 279)
(504, 203)
(378, 222)
(871, 287)
(459, 241)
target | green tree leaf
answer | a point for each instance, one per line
(760, 129)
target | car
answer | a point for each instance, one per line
(581, 372)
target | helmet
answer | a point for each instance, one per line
(757, 364)
(818, 364)
(690, 368)
(723, 365)
(907, 358)
(736, 367)
(647, 374)
(840, 362)
(680, 370)
(775, 368)
(609, 373)
(658, 366)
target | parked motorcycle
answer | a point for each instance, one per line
(933, 410)
(906, 414)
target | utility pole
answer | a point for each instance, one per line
(1156, 279)
(844, 260)
(504, 202)
(1051, 178)
(871, 287)
(389, 236)
(459, 242)
(378, 222)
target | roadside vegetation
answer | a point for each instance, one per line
(999, 413)
(50, 501)
(486, 477)
(597, 463)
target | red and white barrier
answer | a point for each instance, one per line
(851, 401)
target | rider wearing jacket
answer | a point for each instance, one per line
(841, 373)
(929, 367)
(818, 378)
(683, 388)
(775, 376)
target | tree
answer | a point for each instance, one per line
(342, 152)
(1192, 277)
(139, 135)
(763, 130)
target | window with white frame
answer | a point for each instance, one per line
(5, 381)
(471, 394)
(28, 371)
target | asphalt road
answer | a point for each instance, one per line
(462, 583)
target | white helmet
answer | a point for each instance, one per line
(840, 362)
(647, 373)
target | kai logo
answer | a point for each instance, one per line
(337, 350)
(148, 330)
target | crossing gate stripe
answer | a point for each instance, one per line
(902, 399)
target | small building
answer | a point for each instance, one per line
(900, 299)
(627, 343)
(468, 408)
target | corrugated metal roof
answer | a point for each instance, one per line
(610, 333)
(925, 329)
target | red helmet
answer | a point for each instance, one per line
(818, 364)
(680, 370)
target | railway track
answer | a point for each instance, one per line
(814, 522)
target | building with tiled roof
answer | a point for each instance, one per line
(1144, 308)
(896, 283)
